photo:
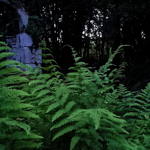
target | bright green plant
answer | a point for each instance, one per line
(41, 87)
(16, 114)
(78, 111)
(134, 107)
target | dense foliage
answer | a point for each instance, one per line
(17, 116)
(78, 111)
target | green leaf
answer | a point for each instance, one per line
(17, 124)
(57, 115)
(52, 107)
(13, 80)
(39, 88)
(63, 132)
(21, 136)
(8, 63)
(43, 93)
(69, 106)
(74, 142)
(6, 55)
(10, 71)
(4, 48)
(46, 99)
(60, 124)
(36, 82)
(28, 114)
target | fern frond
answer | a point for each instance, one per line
(74, 141)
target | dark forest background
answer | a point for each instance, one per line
(91, 27)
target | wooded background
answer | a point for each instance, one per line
(91, 27)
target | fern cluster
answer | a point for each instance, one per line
(78, 111)
(134, 107)
(15, 114)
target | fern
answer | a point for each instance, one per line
(134, 108)
(78, 109)
(14, 112)
(48, 62)
(89, 109)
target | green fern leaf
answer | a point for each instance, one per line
(45, 100)
(69, 106)
(13, 80)
(60, 124)
(21, 125)
(39, 88)
(27, 114)
(6, 55)
(44, 76)
(43, 93)
(10, 71)
(36, 82)
(2, 43)
(58, 114)
(8, 63)
(52, 107)
(21, 136)
(4, 48)
(63, 132)
(74, 141)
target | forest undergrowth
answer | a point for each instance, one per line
(82, 110)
